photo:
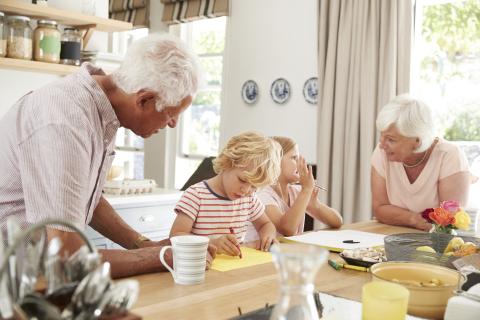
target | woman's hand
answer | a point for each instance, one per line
(306, 176)
(418, 222)
(226, 244)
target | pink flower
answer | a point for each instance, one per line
(450, 205)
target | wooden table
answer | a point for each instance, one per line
(222, 293)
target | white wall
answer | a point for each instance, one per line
(267, 40)
(14, 84)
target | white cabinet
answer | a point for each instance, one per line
(150, 214)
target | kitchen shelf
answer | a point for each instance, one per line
(68, 18)
(36, 66)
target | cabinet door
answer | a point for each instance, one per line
(149, 218)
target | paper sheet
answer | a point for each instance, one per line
(250, 257)
(333, 240)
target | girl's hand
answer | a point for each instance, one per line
(314, 202)
(306, 176)
(227, 244)
(265, 242)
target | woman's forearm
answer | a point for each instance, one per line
(390, 214)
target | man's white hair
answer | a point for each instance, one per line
(159, 63)
(412, 117)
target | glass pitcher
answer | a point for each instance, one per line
(297, 265)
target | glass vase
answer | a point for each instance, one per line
(297, 266)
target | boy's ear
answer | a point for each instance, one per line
(143, 96)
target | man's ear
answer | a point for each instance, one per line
(143, 96)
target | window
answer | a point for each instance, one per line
(446, 73)
(200, 125)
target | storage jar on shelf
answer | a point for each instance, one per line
(71, 44)
(47, 41)
(19, 38)
(3, 36)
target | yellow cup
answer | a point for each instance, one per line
(383, 300)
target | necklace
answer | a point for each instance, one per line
(416, 164)
(423, 158)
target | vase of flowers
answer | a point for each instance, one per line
(448, 217)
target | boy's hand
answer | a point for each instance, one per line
(227, 244)
(265, 242)
(211, 253)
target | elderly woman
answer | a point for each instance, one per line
(411, 168)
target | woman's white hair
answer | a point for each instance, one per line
(159, 63)
(412, 117)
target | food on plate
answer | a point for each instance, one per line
(426, 249)
(366, 254)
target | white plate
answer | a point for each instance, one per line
(280, 91)
(310, 90)
(250, 92)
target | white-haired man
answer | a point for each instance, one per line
(57, 143)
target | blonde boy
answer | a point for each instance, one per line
(220, 207)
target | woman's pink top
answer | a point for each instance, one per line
(445, 160)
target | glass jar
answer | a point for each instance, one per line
(71, 44)
(3, 36)
(19, 38)
(46, 39)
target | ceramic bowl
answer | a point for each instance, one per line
(426, 302)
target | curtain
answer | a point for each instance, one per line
(179, 11)
(364, 61)
(133, 11)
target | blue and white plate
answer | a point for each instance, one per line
(310, 90)
(280, 91)
(250, 92)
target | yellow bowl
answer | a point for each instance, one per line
(426, 302)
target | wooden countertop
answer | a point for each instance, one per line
(222, 293)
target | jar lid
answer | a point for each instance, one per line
(70, 29)
(48, 22)
(23, 18)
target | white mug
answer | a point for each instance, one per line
(189, 258)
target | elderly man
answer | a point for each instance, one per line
(57, 143)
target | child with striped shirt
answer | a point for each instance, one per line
(220, 207)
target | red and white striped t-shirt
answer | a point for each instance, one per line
(214, 215)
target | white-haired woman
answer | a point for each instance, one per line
(412, 169)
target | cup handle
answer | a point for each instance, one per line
(162, 260)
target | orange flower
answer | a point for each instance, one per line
(442, 217)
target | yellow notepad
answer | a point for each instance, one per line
(250, 257)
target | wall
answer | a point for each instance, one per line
(267, 40)
(14, 84)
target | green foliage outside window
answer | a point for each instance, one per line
(451, 61)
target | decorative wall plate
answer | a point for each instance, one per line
(310, 90)
(250, 92)
(280, 91)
